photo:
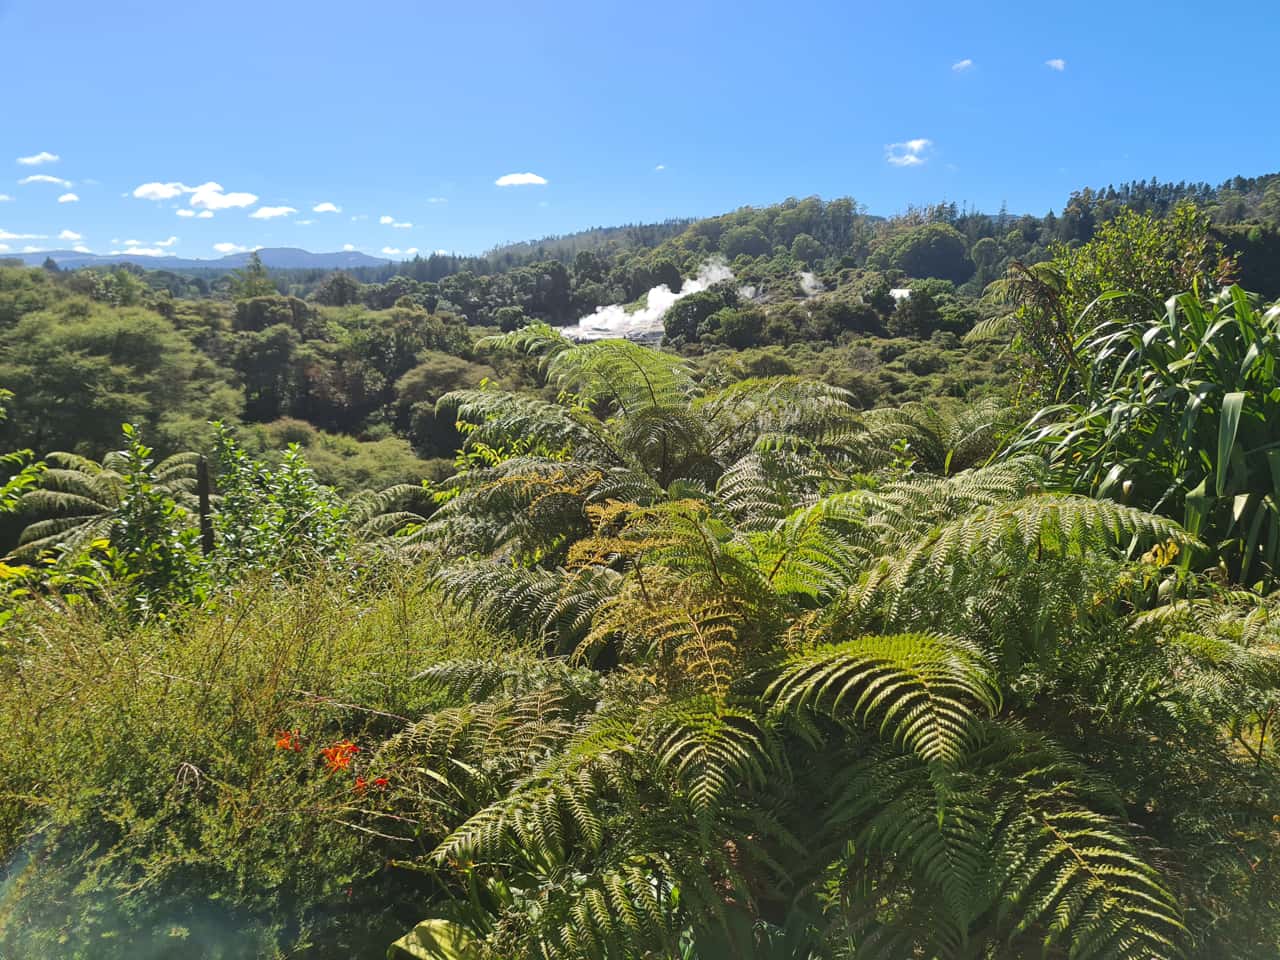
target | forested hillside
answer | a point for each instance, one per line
(898, 588)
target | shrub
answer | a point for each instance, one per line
(148, 809)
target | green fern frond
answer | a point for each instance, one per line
(629, 376)
(926, 692)
(535, 340)
(713, 749)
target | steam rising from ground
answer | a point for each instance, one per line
(810, 284)
(645, 323)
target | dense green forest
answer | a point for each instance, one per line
(912, 597)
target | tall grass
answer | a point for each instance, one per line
(147, 805)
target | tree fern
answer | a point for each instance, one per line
(925, 692)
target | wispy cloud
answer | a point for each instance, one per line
(520, 180)
(6, 235)
(909, 153)
(348, 247)
(141, 252)
(437, 199)
(659, 168)
(5, 198)
(391, 251)
(402, 225)
(1057, 63)
(158, 248)
(43, 178)
(186, 212)
(4, 248)
(384, 219)
(81, 248)
(326, 207)
(304, 223)
(270, 213)
(229, 248)
(204, 215)
(960, 66)
(44, 156)
(69, 198)
(69, 235)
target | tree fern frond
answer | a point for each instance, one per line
(926, 692)
(629, 376)
(713, 749)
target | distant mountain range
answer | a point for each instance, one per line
(277, 258)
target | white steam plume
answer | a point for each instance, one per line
(810, 284)
(614, 321)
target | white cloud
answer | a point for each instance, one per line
(211, 196)
(44, 156)
(204, 215)
(81, 248)
(348, 247)
(326, 207)
(411, 252)
(270, 213)
(5, 198)
(441, 252)
(384, 219)
(1057, 63)
(402, 225)
(960, 66)
(69, 235)
(6, 235)
(156, 243)
(437, 199)
(31, 249)
(520, 180)
(229, 248)
(186, 212)
(909, 153)
(659, 168)
(43, 178)
(159, 248)
(304, 223)
(69, 198)
(160, 191)
(390, 251)
(4, 248)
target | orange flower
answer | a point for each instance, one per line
(381, 782)
(361, 785)
(288, 740)
(339, 756)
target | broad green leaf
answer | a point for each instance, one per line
(1232, 404)
(1198, 505)
(435, 940)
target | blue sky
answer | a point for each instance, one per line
(183, 126)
